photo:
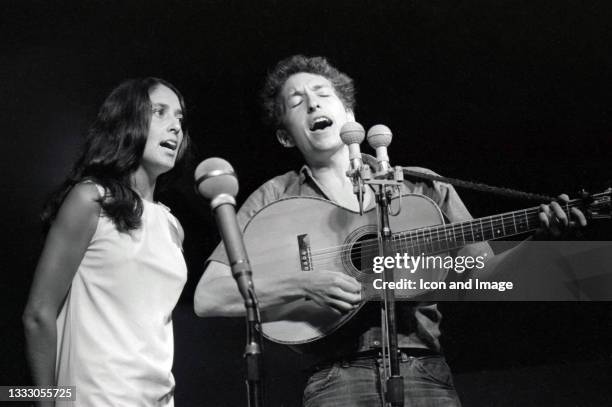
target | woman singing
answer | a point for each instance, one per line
(111, 271)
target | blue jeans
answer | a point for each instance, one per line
(357, 383)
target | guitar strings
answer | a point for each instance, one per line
(405, 235)
(332, 259)
(406, 239)
(413, 236)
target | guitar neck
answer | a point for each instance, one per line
(452, 236)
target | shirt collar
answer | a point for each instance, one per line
(305, 173)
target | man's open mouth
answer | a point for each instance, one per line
(320, 123)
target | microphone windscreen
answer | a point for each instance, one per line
(379, 136)
(215, 176)
(352, 132)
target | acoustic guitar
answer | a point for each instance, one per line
(302, 234)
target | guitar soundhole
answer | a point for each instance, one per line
(362, 253)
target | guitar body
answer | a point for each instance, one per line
(302, 234)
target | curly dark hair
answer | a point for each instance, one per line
(273, 109)
(113, 150)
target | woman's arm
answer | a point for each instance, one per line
(66, 243)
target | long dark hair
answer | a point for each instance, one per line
(113, 150)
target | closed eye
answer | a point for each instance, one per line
(295, 101)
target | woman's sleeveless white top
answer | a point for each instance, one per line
(115, 339)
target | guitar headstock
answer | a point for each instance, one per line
(596, 206)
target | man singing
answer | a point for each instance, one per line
(308, 101)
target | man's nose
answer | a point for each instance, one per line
(313, 103)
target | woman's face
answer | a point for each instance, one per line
(165, 131)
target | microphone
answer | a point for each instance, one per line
(379, 137)
(216, 181)
(352, 134)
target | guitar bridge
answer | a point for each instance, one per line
(305, 256)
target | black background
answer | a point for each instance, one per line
(511, 93)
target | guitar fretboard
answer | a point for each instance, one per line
(443, 238)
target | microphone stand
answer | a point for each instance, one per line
(215, 180)
(394, 386)
(241, 271)
(253, 351)
(393, 390)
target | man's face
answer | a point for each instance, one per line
(312, 115)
